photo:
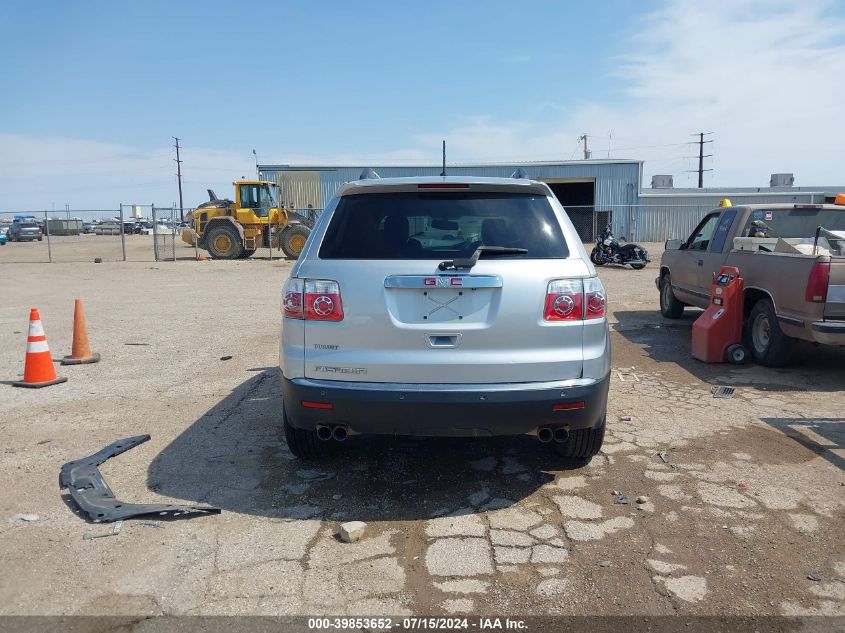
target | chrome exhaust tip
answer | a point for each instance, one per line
(339, 433)
(324, 432)
(545, 434)
(561, 435)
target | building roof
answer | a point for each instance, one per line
(376, 166)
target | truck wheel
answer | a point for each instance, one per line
(670, 307)
(305, 444)
(769, 345)
(293, 239)
(583, 443)
(224, 242)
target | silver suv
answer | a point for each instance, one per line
(446, 306)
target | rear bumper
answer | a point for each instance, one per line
(445, 410)
(828, 332)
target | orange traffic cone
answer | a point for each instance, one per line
(81, 351)
(38, 370)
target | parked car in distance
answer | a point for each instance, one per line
(3, 238)
(24, 229)
(107, 227)
(444, 306)
(792, 259)
(87, 227)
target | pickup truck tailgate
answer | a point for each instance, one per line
(835, 307)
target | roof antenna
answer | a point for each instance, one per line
(443, 173)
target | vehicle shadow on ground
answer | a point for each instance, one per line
(831, 432)
(812, 368)
(235, 457)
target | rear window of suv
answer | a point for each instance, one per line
(411, 225)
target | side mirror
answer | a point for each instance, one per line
(673, 245)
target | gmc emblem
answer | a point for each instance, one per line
(444, 282)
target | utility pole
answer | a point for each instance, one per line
(179, 177)
(701, 157)
(583, 137)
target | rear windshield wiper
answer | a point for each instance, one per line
(472, 261)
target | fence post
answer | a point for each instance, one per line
(47, 233)
(173, 230)
(155, 232)
(122, 234)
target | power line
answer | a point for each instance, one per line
(583, 137)
(701, 157)
(179, 176)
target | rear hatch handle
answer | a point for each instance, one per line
(472, 261)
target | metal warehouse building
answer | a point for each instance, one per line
(593, 192)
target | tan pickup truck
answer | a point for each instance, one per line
(792, 258)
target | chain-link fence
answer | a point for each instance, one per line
(131, 232)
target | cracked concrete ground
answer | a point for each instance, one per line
(749, 503)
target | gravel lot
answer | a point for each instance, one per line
(750, 503)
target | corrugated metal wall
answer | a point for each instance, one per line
(665, 216)
(616, 183)
(637, 215)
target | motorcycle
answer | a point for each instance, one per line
(608, 250)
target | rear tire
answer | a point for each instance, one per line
(305, 444)
(224, 242)
(769, 345)
(293, 239)
(670, 307)
(582, 443)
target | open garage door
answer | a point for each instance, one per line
(578, 197)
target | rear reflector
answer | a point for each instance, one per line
(568, 406)
(817, 283)
(442, 185)
(309, 404)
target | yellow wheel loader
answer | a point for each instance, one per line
(235, 229)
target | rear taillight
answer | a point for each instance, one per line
(575, 299)
(595, 301)
(818, 282)
(564, 299)
(292, 299)
(322, 300)
(312, 299)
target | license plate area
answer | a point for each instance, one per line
(465, 300)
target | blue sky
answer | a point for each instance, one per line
(95, 90)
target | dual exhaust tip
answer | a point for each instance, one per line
(546, 434)
(337, 433)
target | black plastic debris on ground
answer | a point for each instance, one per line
(96, 500)
(723, 392)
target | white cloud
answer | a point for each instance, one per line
(765, 77)
(97, 175)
